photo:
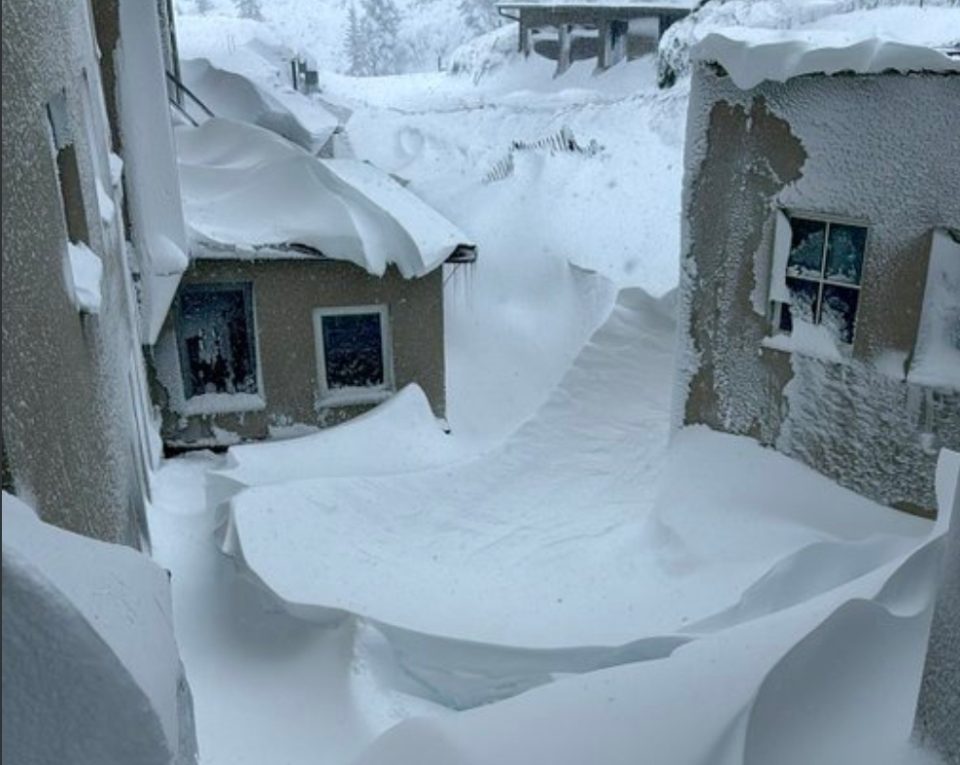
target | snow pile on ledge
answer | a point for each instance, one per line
(924, 23)
(751, 56)
(91, 673)
(234, 96)
(85, 273)
(246, 189)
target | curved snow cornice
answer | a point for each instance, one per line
(751, 56)
(246, 189)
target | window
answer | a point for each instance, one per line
(68, 169)
(215, 331)
(820, 263)
(353, 353)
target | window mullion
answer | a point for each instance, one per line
(823, 272)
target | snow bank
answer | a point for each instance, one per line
(832, 679)
(751, 56)
(245, 188)
(407, 436)
(936, 361)
(85, 274)
(561, 543)
(91, 672)
(236, 97)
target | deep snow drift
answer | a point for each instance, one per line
(831, 680)
(525, 558)
(582, 532)
(91, 673)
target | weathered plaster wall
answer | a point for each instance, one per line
(285, 294)
(66, 421)
(849, 146)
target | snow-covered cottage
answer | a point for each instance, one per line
(314, 291)
(88, 165)
(820, 291)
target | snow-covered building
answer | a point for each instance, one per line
(607, 30)
(820, 288)
(87, 165)
(314, 292)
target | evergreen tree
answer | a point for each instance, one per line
(479, 16)
(249, 9)
(358, 63)
(380, 30)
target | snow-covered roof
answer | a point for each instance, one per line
(751, 56)
(246, 189)
(236, 97)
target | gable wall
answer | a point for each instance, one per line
(285, 294)
(847, 146)
(67, 411)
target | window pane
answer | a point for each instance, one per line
(216, 341)
(806, 247)
(845, 253)
(353, 351)
(804, 306)
(840, 311)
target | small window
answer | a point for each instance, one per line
(215, 331)
(821, 276)
(68, 169)
(353, 353)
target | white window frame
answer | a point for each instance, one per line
(779, 294)
(331, 397)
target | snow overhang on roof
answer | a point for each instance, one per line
(751, 56)
(248, 193)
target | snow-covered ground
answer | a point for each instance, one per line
(554, 531)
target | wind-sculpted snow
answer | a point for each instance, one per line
(751, 56)
(407, 435)
(91, 673)
(231, 95)
(832, 680)
(581, 544)
(247, 191)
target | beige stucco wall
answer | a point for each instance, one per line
(832, 146)
(285, 294)
(66, 402)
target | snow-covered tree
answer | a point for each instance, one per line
(479, 16)
(380, 28)
(204, 7)
(249, 9)
(357, 53)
